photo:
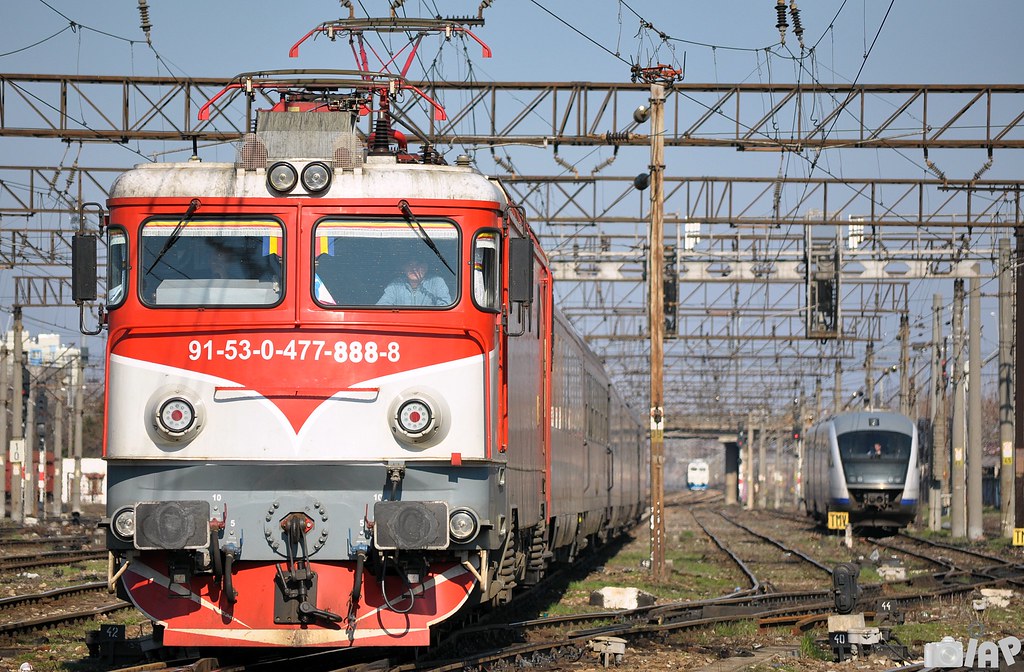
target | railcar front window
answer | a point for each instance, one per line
(212, 262)
(117, 267)
(386, 264)
(875, 457)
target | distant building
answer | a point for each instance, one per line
(94, 480)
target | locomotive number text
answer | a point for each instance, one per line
(295, 349)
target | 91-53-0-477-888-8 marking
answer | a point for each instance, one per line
(296, 349)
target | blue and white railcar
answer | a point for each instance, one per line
(866, 464)
(697, 475)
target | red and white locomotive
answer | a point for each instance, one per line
(341, 405)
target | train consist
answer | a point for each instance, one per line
(697, 475)
(341, 404)
(864, 463)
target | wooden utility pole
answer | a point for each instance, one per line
(655, 278)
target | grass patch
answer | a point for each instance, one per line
(810, 648)
(918, 634)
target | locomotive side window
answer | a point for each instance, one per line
(117, 267)
(386, 264)
(212, 262)
(486, 270)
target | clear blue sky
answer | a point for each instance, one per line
(910, 41)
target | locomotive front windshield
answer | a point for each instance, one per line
(211, 262)
(386, 263)
(876, 457)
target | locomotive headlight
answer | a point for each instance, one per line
(419, 416)
(282, 177)
(463, 525)
(123, 524)
(176, 415)
(414, 417)
(316, 177)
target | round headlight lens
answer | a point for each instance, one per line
(462, 525)
(124, 524)
(414, 416)
(316, 177)
(176, 415)
(282, 177)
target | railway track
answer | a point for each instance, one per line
(48, 559)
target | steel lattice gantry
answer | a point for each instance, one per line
(120, 109)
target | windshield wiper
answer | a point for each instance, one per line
(175, 234)
(403, 205)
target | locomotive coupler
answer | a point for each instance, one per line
(295, 599)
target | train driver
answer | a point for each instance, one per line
(876, 451)
(414, 288)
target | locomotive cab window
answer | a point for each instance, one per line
(386, 264)
(486, 270)
(211, 262)
(117, 267)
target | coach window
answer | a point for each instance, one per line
(385, 264)
(117, 267)
(486, 270)
(212, 262)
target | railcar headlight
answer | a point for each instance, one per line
(463, 525)
(123, 524)
(316, 177)
(282, 177)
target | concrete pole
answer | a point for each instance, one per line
(975, 526)
(905, 365)
(732, 461)
(5, 405)
(762, 466)
(938, 431)
(778, 478)
(749, 464)
(1018, 382)
(31, 453)
(18, 428)
(817, 399)
(76, 482)
(869, 376)
(1005, 389)
(798, 475)
(958, 502)
(55, 507)
(837, 393)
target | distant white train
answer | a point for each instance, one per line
(864, 463)
(697, 475)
